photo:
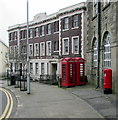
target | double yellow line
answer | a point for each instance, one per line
(9, 105)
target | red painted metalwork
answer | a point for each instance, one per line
(80, 71)
(68, 72)
(107, 78)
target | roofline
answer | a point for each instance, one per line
(53, 15)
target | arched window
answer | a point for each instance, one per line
(95, 53)
(107, 51)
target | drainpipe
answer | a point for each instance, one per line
(99, 42)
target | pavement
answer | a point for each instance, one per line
(50, 101)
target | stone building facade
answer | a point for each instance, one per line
(3, 58)
(51, 38)
(102, 41)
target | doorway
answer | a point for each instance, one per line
(54, 72)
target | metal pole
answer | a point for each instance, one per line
(99, 42)
(28, 74)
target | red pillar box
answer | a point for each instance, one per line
(107, 81)
(68, 72)
(80, 71)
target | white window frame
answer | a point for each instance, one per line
(36, 49)
(47, 50)
(30, 33)
(42, 68)
(30, 49)
(15, 50)
(95, 53)
(31, 68)
(107, 51)
(73, 45)
(36, 68)
(42, 29)
(63, 49)
(36, 32)
(48, 29)
(75, 22)
(66, 23)
(42, 52)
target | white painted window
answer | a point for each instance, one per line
(31, 68)
(31, 49)
(66, 23)
(36, 32)
(36, 68)
(30, 33)
(65, 46)
(49, 29)
(48, 46)
(107, 51)
(15, 51)
(36, 49)
(95, 52)
(42, 49)
(42, 68)
(42, 31)
(75, 45)
(75, 21)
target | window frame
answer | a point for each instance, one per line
(73, 44)
(107, 54)
(47, 50)
(95, 53)
(36, 68)
(49, 29)
(66, 23)
(30, 48)
(35, 49)
(42, 30)
(42, 52)
(75, 23)
(31, 68)
(63, 49)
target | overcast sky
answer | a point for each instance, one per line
(13, 12)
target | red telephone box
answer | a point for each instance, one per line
(80, 71)
(107, 81)
(68, 72)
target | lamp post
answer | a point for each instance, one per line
(28, 74)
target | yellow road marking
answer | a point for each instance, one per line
(8, 104)
(10, 110)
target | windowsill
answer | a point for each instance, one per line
(23, 39)
(36, 36)
(75, 53)
(42, 35)
(56, 32)
(65, 29)
(56, 51)
(42, 55)
(49, 55)
(65, 53)
(48, 34)
(74, 28)
(107, 5)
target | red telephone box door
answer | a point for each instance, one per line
(68, 72)
(80, 71)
